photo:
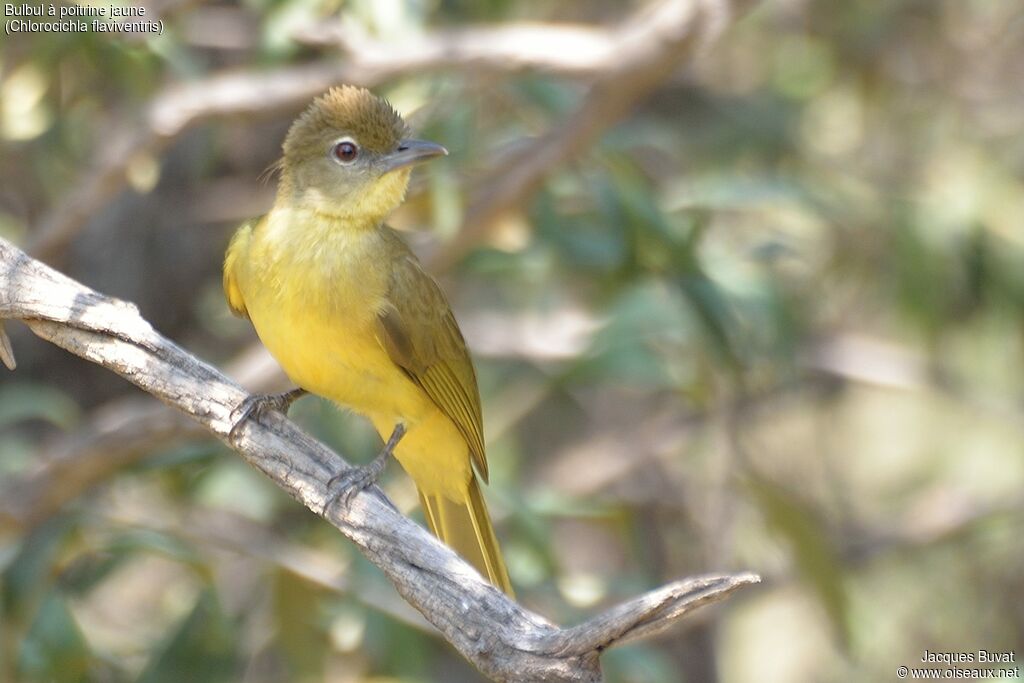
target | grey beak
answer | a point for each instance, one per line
(411, 152)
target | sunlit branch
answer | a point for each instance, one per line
(504, 640)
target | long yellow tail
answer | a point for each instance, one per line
(466, 528)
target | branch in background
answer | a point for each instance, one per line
(634, 59)
(77, 461)
(565, 50)
(221, 530)
(243, 93)
(115, 436)
(649, 48)
(940, 518)
(170, 113)
(126, 430)
(504, 640)
(636, 56)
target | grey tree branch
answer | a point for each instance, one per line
(504, 640)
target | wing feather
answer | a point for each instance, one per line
(239, 243)
(417, 329)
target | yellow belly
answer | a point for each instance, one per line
(319, 322)
(342, 362)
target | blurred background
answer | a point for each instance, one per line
(744, 285)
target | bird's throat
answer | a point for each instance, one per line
(358, 208)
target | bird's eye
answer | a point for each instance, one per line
(345, 151)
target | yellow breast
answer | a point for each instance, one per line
(312, 288)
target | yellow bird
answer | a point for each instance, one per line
(347, 310)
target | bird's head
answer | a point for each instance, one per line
(349, 155)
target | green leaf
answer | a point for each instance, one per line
(712, 308)
(28, 575)
(22, 401)
(301, 634)
(798, 523)
(385, 636)
(233, 485)
(644, 318)
(201, 650)
(54, 649)
(638, 663)
(89, 568)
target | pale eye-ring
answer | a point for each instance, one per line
(345, 151)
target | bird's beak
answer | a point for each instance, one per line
(411, 152)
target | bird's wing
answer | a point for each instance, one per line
(237, 247)
(417, 329)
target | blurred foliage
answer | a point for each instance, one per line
(772, 321)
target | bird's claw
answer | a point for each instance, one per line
(257, 405)
(344, 486)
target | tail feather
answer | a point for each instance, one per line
(466, 528)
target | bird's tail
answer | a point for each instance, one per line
(465, 527)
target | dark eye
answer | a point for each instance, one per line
(346, 151)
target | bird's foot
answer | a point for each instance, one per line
(257, 405)
(346, 484)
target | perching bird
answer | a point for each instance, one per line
(346, 309)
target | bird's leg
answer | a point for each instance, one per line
(346, 484)
(256, 405)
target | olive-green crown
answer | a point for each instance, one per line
(345, 110)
